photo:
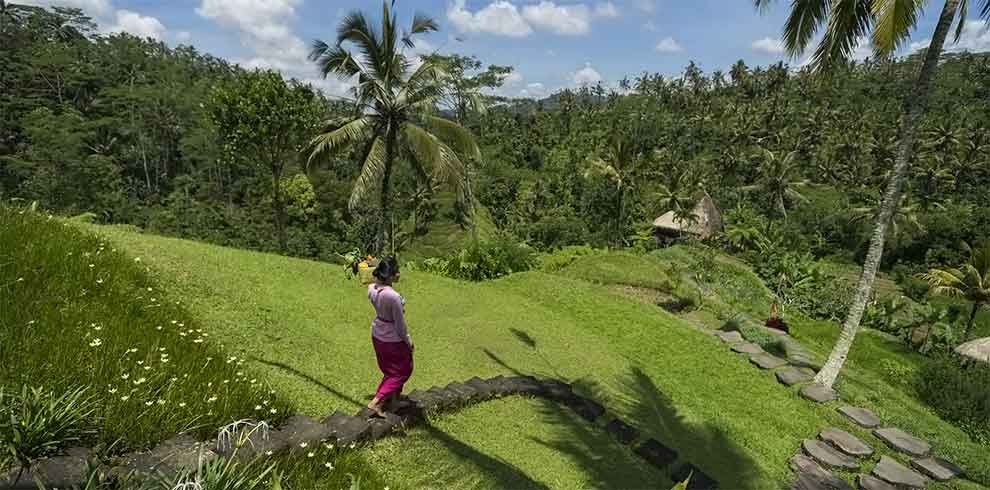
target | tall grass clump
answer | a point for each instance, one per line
(75, 313)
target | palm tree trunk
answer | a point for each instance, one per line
(386, 196)
(915, 107)
(972, 319)
(278, 207)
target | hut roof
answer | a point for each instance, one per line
(978, 349)
(707, 222)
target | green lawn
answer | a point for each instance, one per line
(306, 328)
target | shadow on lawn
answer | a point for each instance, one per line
(295, 372)
(501, 474)
(644, 406)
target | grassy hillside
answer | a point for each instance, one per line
(305, 327)
(444, 236)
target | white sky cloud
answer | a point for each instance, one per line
(606, 10)
(183, 36)
(648, 6)
(95, 8)
(586, 76)
(669, 45)
(561, 19)
(139, 25)
(768, 45)
(499, 17)
(975, 38)
(535, 90)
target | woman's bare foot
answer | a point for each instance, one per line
(376, 407)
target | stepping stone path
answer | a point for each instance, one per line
(936, 468)
(846, 442)
(818, 393)
(699, 480)
(791, 375)
(730, 337)
(747, 348)
(869, 482)
(862, 416)
(767, 361)
(811, 476)
(827, 455)
(897, 474)
(903, 442)
(299, 431)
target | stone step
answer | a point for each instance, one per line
(621, 431)
(730, 337)
(936, 468)
(846, 442)
(827, 455)
(870, 482)
(903, 442)
(699, 479)
(861, 416)
(897, 474)
(791, 375)
(767, 361)
(818, 393)
(747, 348)
(655, 453)
(811, 476)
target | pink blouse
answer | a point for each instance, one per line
(389, 324)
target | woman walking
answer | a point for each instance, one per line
(393, 346)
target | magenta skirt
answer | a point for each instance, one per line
(396, 362)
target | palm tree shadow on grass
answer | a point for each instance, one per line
(299, 374)
(500, 473)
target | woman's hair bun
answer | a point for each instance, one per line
(387, 269)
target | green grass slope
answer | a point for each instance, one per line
(305, 328)
(444, 236)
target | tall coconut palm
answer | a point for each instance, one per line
(971, 281)
(617, 163)
(889, 22)
(778, 182)
(395, 117)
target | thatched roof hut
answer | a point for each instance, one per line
(707, 222)
(978, 349)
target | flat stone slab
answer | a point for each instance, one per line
(655, 453)
(897, 474)
(347, 429)
(846, 442)
(730, 337)
(747, 348)
(464, 392)
(861, 416)
(869, 482)
(811, 476)
(589, 410)
(791, 375)
(621, 431)
(300, 429)
(903, 442)
(67, 471)
(827, 455)
(485, 390)
(767, 361)
(557, 390)
(699, 479)
(936, 468)
(818, 393)
(381, 427)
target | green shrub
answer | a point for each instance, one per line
(76, 312)
(959, 390)
(482, 261)
(556, 261)
(36, 423)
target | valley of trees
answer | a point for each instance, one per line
(182, 143)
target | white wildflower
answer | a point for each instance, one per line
(125, 398)
(182, 404)
(96, 343)
(148, 404)
(310, 455)
(328, 465)
(211, 399)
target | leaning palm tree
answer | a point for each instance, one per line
(970, 281)
(777, 181)
(891, 23)
(617, 163)
(395, 117)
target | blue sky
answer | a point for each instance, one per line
(551, 43)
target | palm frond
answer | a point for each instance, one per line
(849, 20)
(424, 146)
(962, 16)
(354, 28)
(453, 135)
(334, 59)
(894, 21)
(421, 24)
(371, 173)
(339, 136)
(804, 21)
